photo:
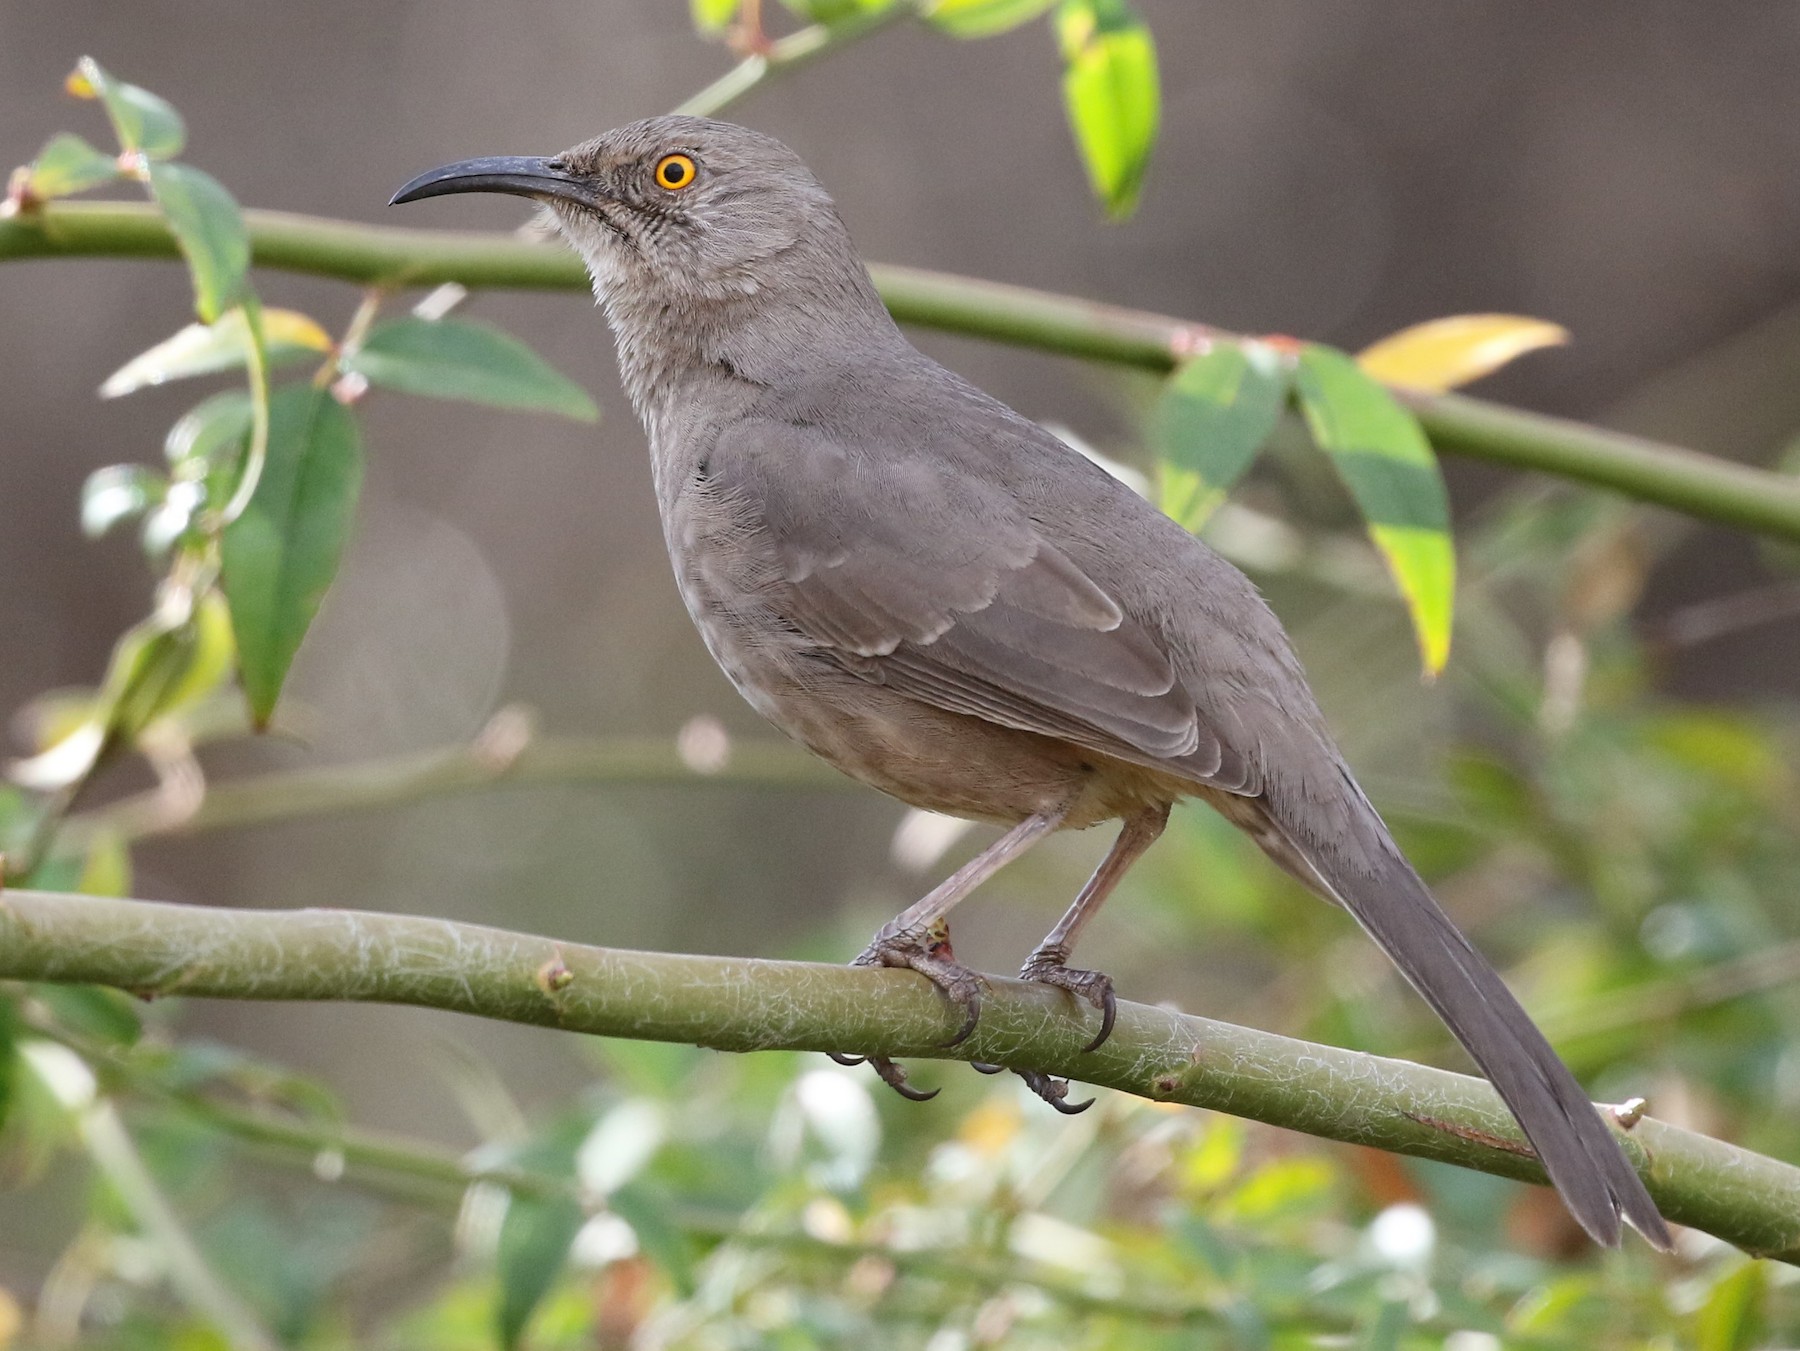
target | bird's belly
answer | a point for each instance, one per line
(926, 757)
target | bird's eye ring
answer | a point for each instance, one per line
(674, 172)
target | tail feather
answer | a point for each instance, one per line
(1577, 1148)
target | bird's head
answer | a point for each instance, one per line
(674, 208)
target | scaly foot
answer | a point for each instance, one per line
(1045, 966)
(1053, 1091)
(928, 952)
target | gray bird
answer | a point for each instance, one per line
(944, 601)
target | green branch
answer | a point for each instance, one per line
(1700, 485)
(335, 790)
(734, 1004)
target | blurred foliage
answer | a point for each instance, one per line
(1633, 856)
(1632, 852)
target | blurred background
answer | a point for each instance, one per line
(1601, 783)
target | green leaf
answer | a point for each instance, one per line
(1112, 96)
(713, 16)
(143, 122)
(1384, 1328)
(202, 349)
(1214, 415)
(211, 426)
(93, 1012)
(534, 1246)
(150, 663)
(1391, 472)
(208, 656)
(67, 164)
(462, 359)
(1733, 1317)
(983, 18)
(116, 493)
(833, 11)
(646, 1208)
(206, 222)
(281, 554)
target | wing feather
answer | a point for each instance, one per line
(946, 591)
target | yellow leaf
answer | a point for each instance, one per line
(1392, 474)
(1442, 354)
(294, 328)
(211, 659)
(991, 1127)
(1423, 563)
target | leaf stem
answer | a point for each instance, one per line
(257, 372)
(783, 55)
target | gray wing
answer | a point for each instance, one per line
(947, 591)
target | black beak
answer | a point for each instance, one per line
(520, 175)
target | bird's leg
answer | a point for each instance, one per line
(1048, 963)
(919, 936)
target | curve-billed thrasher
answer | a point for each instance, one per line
(944, 601)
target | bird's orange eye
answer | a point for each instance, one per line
(674, 172)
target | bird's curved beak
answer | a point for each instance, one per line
(520, 175)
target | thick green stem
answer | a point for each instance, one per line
(1699, 485)
(743, 1005)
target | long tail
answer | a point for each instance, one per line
(1573, 1142)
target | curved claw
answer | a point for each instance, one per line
(1093, 986)
(895, 1078)
(1053, 1091)
(971, 1007)
(849, 1060)
(1109, 1012)
(982, 1067)
(927, 951)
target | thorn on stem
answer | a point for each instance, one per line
(553, 977)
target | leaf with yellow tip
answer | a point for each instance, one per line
(144, 123)
(713, 16)
(201, 349)
(1112, 95)
(1391, 472)
(1443, 354)
(67, 165)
